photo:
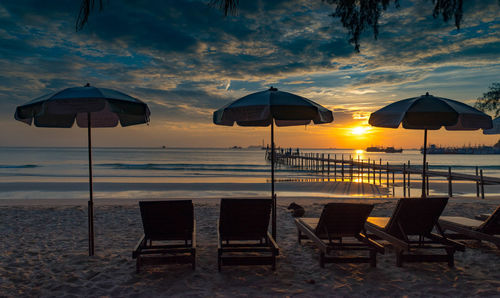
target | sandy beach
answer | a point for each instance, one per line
(44, 253)
(106, 104)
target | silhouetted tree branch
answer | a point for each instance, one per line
(86, 7)
(228, 6)
(359, 15)
(490, 100)
(356, 16)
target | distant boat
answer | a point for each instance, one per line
(386, 150)
(433, 149)
(236, 147)
(374, 149)
(393, 150)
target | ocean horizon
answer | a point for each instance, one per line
(62, 172)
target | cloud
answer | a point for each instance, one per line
(185, 59)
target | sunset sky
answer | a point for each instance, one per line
(185, 60)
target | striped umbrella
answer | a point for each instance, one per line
(90, 107)
(430, 112)
(271, 107)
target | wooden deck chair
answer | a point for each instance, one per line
(340, 228)
(482, 216)
(169, 233)
(243, 237)
(466, 228)
(409, 231)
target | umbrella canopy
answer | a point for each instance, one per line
(430, 112)
(107, 107)
(90, 107)
(495, 129)
(261, 108)
(267, 108)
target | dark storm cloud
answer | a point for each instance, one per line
(387, 78)
(343, 116)
(184, 53)
(214, 43)
(185, 94)
(413, 36)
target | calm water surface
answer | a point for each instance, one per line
(23, 165)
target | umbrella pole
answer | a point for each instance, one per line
(91, 200)
(273, 196)
(423, 167)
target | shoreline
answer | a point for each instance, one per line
(34, 192)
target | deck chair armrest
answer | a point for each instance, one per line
(138, 246)
(445, 241)
(272, 243)
(380, 233)
(379, 247)
(312, 236)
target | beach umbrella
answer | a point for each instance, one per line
(495, 129)
(430, 112)
(91, 107)
(271, 107)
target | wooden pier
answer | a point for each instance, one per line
(345, 168)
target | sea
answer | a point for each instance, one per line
(56, 173)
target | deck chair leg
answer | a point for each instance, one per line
(138, 264)
(273, 267)
(300, 236)
(322, 259)
(219, 265)
(451, 259)
(373, 258)
(399, 258)
(193, 255)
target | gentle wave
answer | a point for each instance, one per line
(17, 166)
(188, 167)
(460, 167)
(171, 175)
(246, 167)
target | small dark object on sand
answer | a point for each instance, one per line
(297, 210)
(311, 281)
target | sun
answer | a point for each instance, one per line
(360, 130)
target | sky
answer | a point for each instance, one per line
(185, 60)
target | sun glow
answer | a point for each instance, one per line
(360, 130)
(359, 154)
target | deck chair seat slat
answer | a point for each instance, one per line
(380, 222)
(463, 221)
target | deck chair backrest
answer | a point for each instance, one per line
(244, 219)
(492, 224)
(415, 216)
(342, 219)
(167, 220)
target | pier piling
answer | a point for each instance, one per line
(320, 164)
